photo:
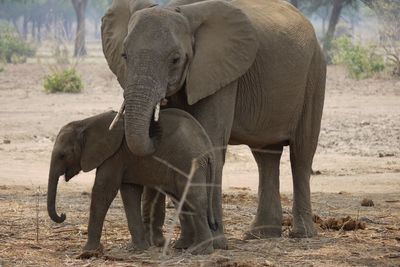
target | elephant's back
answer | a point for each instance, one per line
(276, 21)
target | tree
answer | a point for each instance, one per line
(95, 11)
(333, 20)
(388, 13)
(37, 19)
(323, 7)
(80, 43)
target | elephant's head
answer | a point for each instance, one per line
(156, 51)
(81, 145)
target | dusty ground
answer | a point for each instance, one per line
(358, 157)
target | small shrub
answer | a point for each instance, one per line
(66, 81)
(361, 62)
(14, 49)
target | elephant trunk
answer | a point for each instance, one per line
(140, 102)
(51, 196)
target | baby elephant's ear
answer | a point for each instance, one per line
(99, 143)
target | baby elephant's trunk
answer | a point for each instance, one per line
(51, 196)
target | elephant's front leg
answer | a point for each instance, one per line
(131, 196)
(268, 220)
(215, 113)
(103, 193)
(153, 208)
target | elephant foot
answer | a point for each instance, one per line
(183, 243)
(155, 236)
(220, 242)
(263, 232)
(203, 248)
(303, 227)
(157, 239)
(303, 232)
(89, 252)
(138, 245)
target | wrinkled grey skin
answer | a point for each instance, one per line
(88, 144)
(275, 102)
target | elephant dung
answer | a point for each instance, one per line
(345, 223)
(366, 202)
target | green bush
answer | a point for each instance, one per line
(13, 49)
(66, 81)
(361, 61)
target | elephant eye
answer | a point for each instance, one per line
(124, 55)
(176, 60)
(62, 156)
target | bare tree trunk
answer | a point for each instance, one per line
(80, 9)
(25, 27)
(334, 19)
(39, 32)
(33, 30)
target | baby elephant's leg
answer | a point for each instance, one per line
(131, 196)
(186, 237)
(198, 199)
(153, 215)
(104, 191)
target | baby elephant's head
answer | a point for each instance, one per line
(67, 151)
(81, 145)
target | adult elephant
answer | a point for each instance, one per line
(250, 71)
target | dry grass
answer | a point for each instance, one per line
(60, 244)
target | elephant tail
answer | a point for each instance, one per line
(210, 184)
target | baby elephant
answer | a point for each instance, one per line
(88, 144)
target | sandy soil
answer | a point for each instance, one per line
(357, 157)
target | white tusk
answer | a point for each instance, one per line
(117, 117)
(157, 112)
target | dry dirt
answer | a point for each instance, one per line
(357, 158)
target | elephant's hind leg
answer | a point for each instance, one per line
(268, 220)
(303, 146)
(303, 225)
(153, 211)
(187, 232)
(203, 238)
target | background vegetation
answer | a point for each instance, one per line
(13, 49)
(367, 25)
(360, 61)
(63, 81)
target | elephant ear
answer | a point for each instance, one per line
(114, 29)
(225, 46)
(99, 143)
